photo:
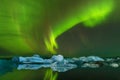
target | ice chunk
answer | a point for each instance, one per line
(33, 59)
(115, 65)
(91, 59)
(61, 67)
(90, 65)
(32, 66)
(57, 58)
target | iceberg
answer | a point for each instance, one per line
(60, 64)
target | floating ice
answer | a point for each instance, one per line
(57, 58)
(60, 64)
(34, 58)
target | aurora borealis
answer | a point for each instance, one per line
(28, 26)
(72, 28)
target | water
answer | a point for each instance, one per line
(75, 74)
(10, 70)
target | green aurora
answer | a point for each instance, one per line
(32, 26)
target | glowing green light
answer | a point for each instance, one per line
(50, 75)
(90, 15)
(98, 14)
(24, 23)
(51, 44)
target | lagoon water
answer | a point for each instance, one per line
(105, 73)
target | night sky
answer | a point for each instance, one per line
(72, 28)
